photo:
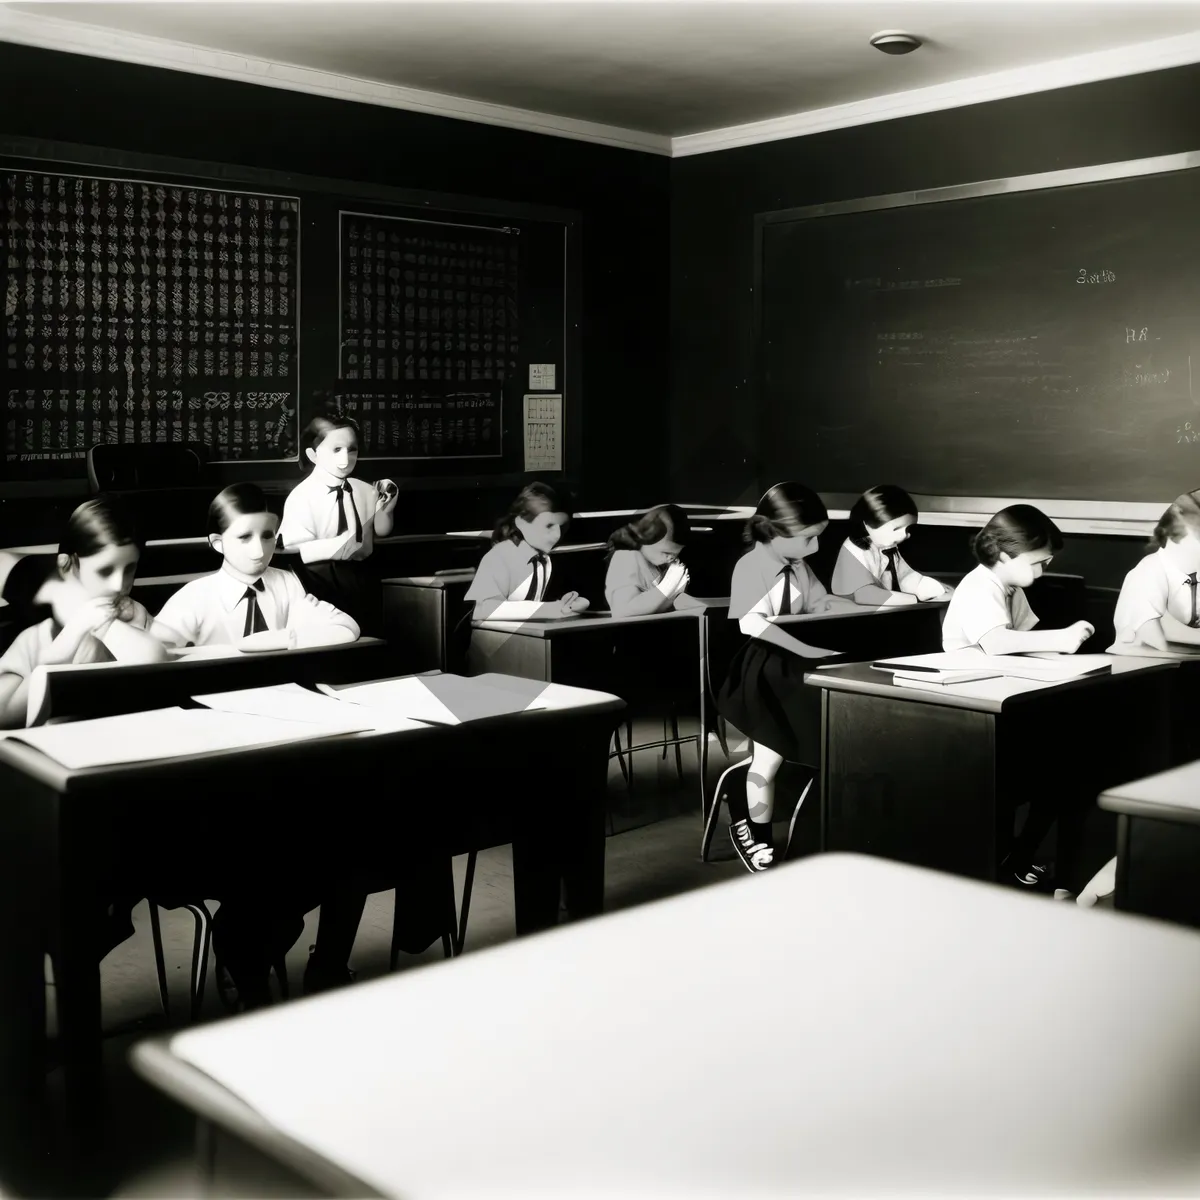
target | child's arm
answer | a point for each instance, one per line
(881, 597)
(1175, 631)
(756, 625)
(385, 505)
(295, 531)
(310, 623)
(632, 602)
(497, 609)
(129, 639)
(925, 587)
(683, 600)
(1003, 640)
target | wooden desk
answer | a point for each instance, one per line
(1158, 844)
(905, 1034)
(74, 835)
(582, 653)
(420, 615)
(77, 692)
(933, 777)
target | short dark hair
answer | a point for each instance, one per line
(1181, 518)
(320, 427)
(237, 500)
(877, 506)
(101, 521)
(532, 499)
(783, 511)
(665, 522)
(1018, 529)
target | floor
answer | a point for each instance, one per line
(654, 852)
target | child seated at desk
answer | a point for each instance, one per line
(765, 695)
(1158, 601)
(334, 519)
(94, 618)
(989, 611)
(870, 568)
(513, 576)
(254, 606)
(645, 574)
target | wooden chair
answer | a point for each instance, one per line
(137, 467)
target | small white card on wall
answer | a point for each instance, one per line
(543, 432)
(541, 377)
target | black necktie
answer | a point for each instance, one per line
(255, 621)
(343, 490)
(785, 604)
(890, 555)
(1195, 621)
(534, 560)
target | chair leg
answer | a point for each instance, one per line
(666, 735)
(201, 944)
(394, 953)
(450, 929)
(160, 964)
(714, 813)
(629, 743)
(678, 747)
(468, 885)
(616, 737)
(723, 735)
(280, 969)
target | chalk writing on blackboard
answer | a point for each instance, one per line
(427, 423)
(140, 312)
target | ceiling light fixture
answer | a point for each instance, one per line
(894, 41)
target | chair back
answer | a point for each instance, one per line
(127, 468)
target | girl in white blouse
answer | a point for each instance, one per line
(870, 568)
(645, 574)
(512, 578)
(765, 695)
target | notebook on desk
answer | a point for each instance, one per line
(960, 666)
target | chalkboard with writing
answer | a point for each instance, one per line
(140, 312)
(430, 333)
(1040, 344)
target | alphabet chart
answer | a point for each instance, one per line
(543, 432)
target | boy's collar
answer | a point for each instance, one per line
(320, 475)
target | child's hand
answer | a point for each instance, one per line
(123, 607)
(1070, 639)
(674, 580)
(573, 602)
(929, 589)
(93, 616)
(1150, 634)
(386, 496)
(900, 599)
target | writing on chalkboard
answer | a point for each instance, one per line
(139, 312)
(1187, 434)
(1136, 335)
(1095, 276)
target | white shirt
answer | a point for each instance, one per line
(310, 514)
(212, 611)
(859, 567)
(982, 603)
(31, 647)
(505, 571)
(630, 573)
(758, 583)
(1154, 587)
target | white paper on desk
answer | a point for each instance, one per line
(217, 651)
(161, 733)
(435, 699)
(543, 432)
(289, 702)
(1058, 669)
(407, 698)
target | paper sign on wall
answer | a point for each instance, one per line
(543, 432)
(541, 377)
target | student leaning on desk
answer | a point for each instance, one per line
(645, 574)
(513, 576)
(94, 618)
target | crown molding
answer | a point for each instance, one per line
(73, 37)
(1136, 59)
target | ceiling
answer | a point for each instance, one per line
(665, 69)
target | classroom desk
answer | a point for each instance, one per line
(898, 1061)
(80, 691)
(145, 828)
(583, 653)
(1158, 844)
(934, 776)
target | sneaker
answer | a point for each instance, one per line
(755, 855)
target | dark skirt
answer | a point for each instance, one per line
(352, 585)
(765, 697)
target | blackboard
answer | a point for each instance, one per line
(141, 311)
(430, 328)
(1039, 343)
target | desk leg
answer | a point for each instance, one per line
(702, 744)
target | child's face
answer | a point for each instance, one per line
(543, 531)
(662, 553)
(1022, 570)
(109, 572)
(248, 545)
(337, 454)
(802, 543)
(891, 533)
(1187, 551)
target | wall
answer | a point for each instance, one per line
(714, 198)
(623, 197)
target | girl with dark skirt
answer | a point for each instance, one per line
(765, 695)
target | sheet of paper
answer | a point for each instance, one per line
(541, 377)
(289, 702)
(161, 734)
(1056, 669)
(999, 688)
(543, 432)
(435, 699)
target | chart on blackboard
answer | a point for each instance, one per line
(429, 334)
(140, 312)
(1041, 344)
